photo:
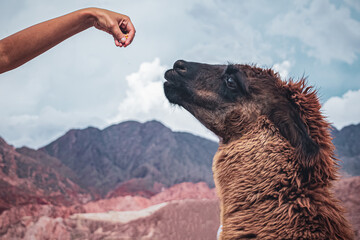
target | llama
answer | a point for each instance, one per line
(275, 163)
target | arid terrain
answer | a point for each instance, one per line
(185, 211)
(129, 181)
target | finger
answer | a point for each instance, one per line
(117, 43)
(131, 33)
(118, 35)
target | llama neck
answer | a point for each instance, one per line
(258, 182)
(251, 168)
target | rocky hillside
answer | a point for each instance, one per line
(185, 211)
(27, 176)
(177, 220)
(348, 191)
(105, 159)
(129, 158)
(347, 143)
(135, 168)
(132, 155)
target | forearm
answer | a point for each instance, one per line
(23, 46)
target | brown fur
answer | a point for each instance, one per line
(275, 165)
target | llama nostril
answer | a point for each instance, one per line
(180, 66)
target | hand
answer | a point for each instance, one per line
(116, 24)
(45, 35)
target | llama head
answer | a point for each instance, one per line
(228, 99)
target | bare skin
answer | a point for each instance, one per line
(21, 47)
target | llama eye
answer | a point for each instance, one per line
(230, 83)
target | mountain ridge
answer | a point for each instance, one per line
(27, 179)
(129, 158)
(39, 193)
(106, 158)
(347, 143)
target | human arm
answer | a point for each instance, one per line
(27, 44)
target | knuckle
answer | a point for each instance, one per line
(112, 25)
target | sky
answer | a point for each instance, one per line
(87, 81)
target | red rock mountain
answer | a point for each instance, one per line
(28, 176)
(185, 211)
(143, 173)
(348, 191)
(168, 215)
(139, 158)
(176, 220)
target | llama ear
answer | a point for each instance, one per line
(287, 119)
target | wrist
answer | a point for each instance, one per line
(88, 17)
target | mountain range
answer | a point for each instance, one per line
(29, 176)
(130, 154)
(133, 156)
(127, 166)
(347, 143)
(128, 158)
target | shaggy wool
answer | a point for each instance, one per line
(265, 188)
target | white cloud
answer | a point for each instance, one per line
(328, 32)
(145, 100)
(354, 4)
(86, 80)
(224, 32)
(344, 110)
(283, 69)
(144, 91)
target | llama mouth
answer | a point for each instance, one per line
(170, 75)
(174, 89)
(172, 79)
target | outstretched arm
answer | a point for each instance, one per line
(27, 44)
